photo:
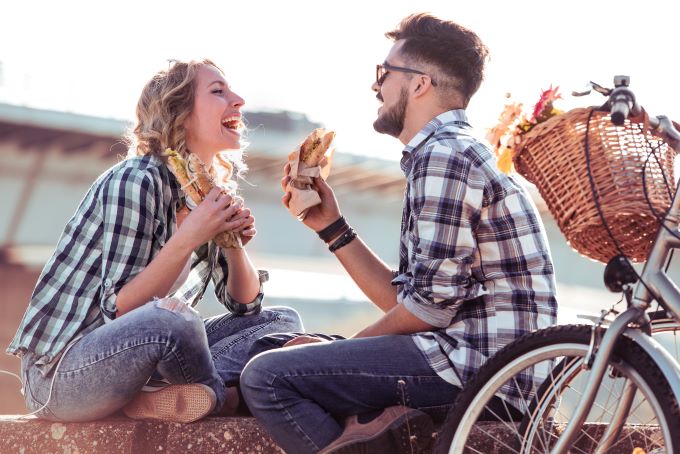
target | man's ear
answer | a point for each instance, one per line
(422, 85)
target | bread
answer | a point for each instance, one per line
(196, 183)
(315, 146)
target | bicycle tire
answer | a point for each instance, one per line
(545, 349)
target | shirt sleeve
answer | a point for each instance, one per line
(447, 198)
(219, 277)
(128, 207)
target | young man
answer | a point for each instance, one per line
(474, 274)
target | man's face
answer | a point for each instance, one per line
(393, 94)
(391, 118)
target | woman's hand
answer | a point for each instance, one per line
(319, 216)
(246, 223)
(215, 214)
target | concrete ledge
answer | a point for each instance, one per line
(126, 436)
(237, 435)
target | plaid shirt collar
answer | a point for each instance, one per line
(452, 118)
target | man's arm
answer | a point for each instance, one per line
(370, 273)
(397, 321)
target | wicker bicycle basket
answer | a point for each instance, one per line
(621, 176)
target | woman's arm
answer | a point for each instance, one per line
(157, 278)
(243, 282)
(212, 216)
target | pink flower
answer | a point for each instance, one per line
(513, 123)
(544, 105)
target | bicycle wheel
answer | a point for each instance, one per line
(542, 376)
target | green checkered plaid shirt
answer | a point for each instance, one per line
(122, 223)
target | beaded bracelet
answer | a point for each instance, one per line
(343, 240)
(332, 230)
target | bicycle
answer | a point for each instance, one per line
(607, 387)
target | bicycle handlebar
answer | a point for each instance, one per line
(622, 101)
(664, 125)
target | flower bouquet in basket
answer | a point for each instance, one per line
(514, 122)
(605, 185)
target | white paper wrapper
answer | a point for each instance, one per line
(301, 187)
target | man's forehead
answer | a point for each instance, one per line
(394, 55)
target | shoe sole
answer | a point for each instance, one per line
(410, 433)
(175, 403)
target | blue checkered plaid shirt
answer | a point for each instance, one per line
(122, 223)
(474, 259)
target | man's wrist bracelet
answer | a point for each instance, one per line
(332, 230)
(343, 240)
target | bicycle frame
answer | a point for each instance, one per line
(653, 284)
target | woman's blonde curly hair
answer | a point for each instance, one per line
(163, 107)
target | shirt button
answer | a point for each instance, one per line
(419, 250)
(107, 283)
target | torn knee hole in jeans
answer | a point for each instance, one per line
(176, 306)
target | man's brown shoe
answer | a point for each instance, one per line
(398, 429)
(176, 403)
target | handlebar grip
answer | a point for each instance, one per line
(620, 111)
(622, 102)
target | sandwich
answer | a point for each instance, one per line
(314, 147)
(196, 183)
(311, 159)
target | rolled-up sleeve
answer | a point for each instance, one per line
(128, 207)
(446, 197)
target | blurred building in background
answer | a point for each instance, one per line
(49, 159)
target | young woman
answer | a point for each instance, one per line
(112, 310)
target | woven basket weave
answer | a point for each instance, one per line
(553, 156)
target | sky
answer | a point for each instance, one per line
(319, 57)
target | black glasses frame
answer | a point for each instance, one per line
(382, 69)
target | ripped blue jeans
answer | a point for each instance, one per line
(106, 368)
(302, 394)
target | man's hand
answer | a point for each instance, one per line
(301, 340)
(319, 216)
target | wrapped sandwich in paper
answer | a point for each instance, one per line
(197, 182)
(312, 159)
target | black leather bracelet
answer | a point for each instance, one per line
(329, 232)
(343, 240)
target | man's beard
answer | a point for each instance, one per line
(392, 121)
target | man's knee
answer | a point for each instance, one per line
(260, 373)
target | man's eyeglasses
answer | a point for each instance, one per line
(381, 71)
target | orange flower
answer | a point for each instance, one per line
(513, 123)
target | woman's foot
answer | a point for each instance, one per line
(177, 403)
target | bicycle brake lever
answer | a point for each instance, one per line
(589, 89)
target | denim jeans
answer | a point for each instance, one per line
(106, 368)
(300, 394)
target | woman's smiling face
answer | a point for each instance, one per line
(215, 121)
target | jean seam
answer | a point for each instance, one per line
(220, 324)
(62, 372)
(245, 335)
(307, 374)
(288, 416)
(180, 360)
(28, 393)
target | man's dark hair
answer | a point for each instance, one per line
(453, 49)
